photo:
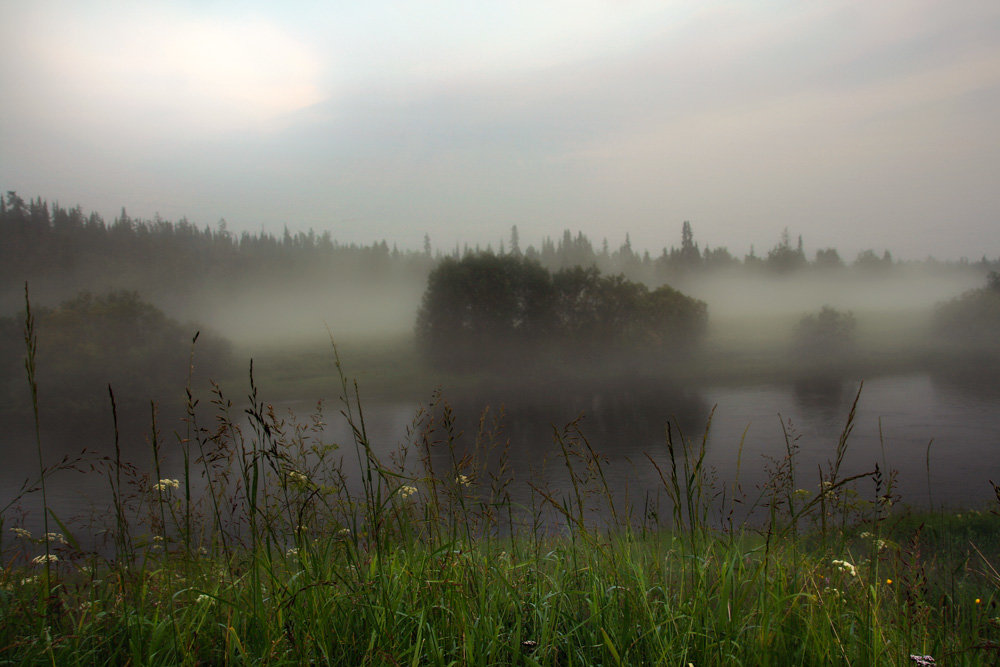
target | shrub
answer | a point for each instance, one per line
(489, 310)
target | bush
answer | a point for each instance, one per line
(971, 321)
(488, 310)
(90, 341)
(828, 334)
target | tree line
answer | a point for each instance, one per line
(63, 250)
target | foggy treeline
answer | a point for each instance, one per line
(260, 287)
(63, 250)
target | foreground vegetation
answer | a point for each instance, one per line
(270, 549)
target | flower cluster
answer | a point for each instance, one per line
(41, 560)
(845, 566)
(407, 491)
(165, 484)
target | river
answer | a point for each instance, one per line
(941, 439)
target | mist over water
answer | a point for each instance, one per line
(562, 343)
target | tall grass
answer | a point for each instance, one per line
(280, 547)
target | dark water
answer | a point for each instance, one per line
(623, 422)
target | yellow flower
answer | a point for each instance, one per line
(888, 581)
(978, 600)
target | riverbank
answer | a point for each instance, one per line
(263, 551)
(872, 591)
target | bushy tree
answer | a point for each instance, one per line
(482, 308)
(488, 310)
(971, 322)
(90, 341)
(827, 335)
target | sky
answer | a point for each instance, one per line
(852, 123)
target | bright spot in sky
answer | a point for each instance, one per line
(162, 69)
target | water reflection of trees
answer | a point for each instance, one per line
(518, 431)
(821, 394)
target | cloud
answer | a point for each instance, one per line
(148, 71)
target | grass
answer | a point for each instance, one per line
(277, 547)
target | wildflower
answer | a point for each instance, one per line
(407, 491)
(827, 489)
(463, 480)
(41, 560)
(865, 535)
(29, 580)
(889, 582)
(845, 566)
(297, 477)
(165, 484)
(923, 660)
(294, 551)
(978, 600)
(55, 537)
(157, 538)
(342, 534)
(802, 493)
(22, 533)
(204, 599)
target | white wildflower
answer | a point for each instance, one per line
(463, 480)
(204, 599)
(407, 491)
(296, 477)
(22, 533)
(342, 534)
(55, 537)
(294, 551)
(41, 560)
(165, 484)
(845, 566)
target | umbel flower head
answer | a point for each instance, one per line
(845, 566)
(165, 484)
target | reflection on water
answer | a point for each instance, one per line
(623, 422)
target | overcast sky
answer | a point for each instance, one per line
(856, 124)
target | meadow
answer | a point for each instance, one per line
(276, 546)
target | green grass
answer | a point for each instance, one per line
(283, 561)
(278, 547)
